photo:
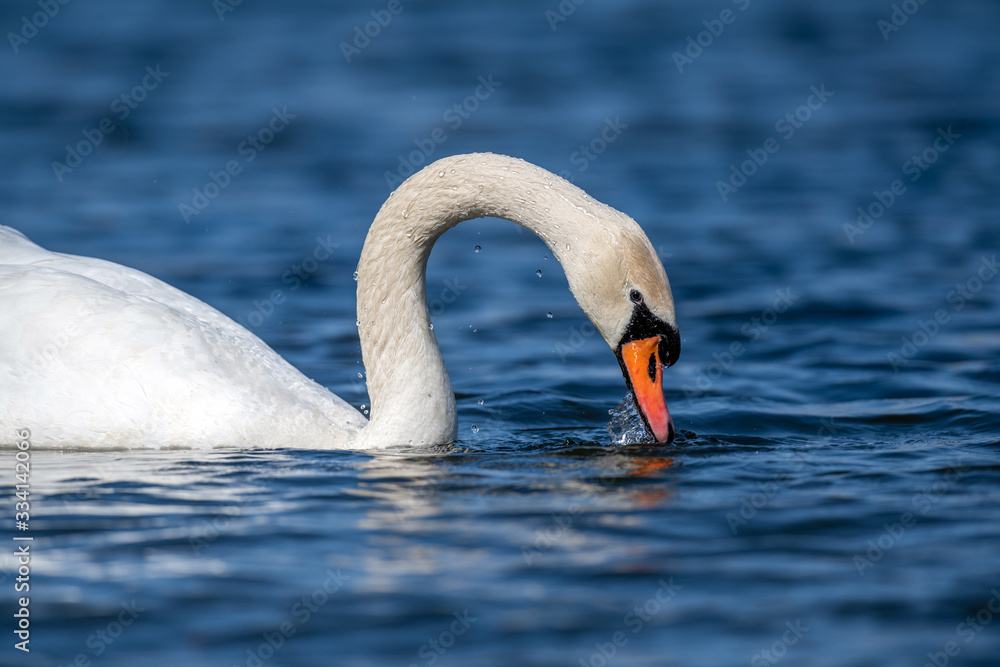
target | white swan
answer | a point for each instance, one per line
(94, 354)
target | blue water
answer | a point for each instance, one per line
(832, 496)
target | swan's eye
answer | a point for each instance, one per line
(635, 296)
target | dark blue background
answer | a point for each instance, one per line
(813, 406)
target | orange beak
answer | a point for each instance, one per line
(641, 359)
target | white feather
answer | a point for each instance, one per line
(94, 354)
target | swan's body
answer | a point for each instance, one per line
(94, 354)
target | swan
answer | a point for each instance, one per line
(95, 354)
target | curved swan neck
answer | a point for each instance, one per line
(407, 381)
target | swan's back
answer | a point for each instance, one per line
(128, 360)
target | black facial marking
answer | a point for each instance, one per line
(646, 325)
(641, 326)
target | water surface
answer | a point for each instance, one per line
(831, 498)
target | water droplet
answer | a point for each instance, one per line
(538, 273)
(431, 326)
(357, 323)
(479, 248)
(546, 256)
(355, 276)
(475, 429)
(548, 315)
(440, 174)
(360, 375)
(480, 401)
(567, 246)
(626, 426)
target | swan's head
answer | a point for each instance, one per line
(623, 288)
(647, 346)
(612, 269)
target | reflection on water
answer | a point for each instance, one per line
(835, 466)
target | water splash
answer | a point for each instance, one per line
(626, 426)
